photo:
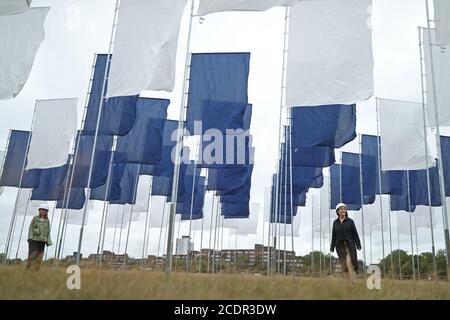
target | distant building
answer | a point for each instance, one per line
(184, 246)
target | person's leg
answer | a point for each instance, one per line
(31, 254)
(39, 255)
(351, 269)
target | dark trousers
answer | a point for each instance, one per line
(35, 254)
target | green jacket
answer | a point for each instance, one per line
(39, 230)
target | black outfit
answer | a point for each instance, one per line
(345, 233)
(35, 254)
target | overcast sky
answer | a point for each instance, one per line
(77, 29)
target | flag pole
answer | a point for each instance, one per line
(330, 225)
(438, 144)
(121, 228)
(147, 222)
(160, 232)
(10, 235)
(410, 226)
(422, 76)
(102, 102)
(285, 197)
(399, 257)
(320, 232)
(115, 227)
(362, 206)
(291, 191)
(201, 241)
(312, 236)
(417, 248)
(216, 213)
(23, 224)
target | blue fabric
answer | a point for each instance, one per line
(332, 126)
(401, 202)
(235, 210)
(143, 143)
(114, 190)
(14, 163)
(351, 188)
(162, 185)
(216, 77)
(335, 181)
(238, 195)
(241, 155)
(82, 162)
(445, 147)
(166, 166)
(128, 185)
(223, 116)
(247, 121)
(370, 165)
(52, 183)
(199, 199)
(118, 113)
(147, 170)
(419, 187)
(224, 179)
(76, 200)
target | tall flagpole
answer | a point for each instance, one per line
(362, 207)
(398, 243)
(290, 189)
(438, 144)
(178, 147)
(160, 232)
(410, 226)
(147, 221)
(417, 248)
(102, 102)
(23, 224)
(312, 236)
(210, 231)
(433, 249)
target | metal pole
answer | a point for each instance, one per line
(210, 231)
(330, 226)
(285, 199)
(146, 239)
(291, 189)
(201, 246)
(23, 224)
(362, 207)
(320, 233)
(102, 102)
(438, 144)
(121, 229)
(422, 75)
(312, 236)
(399, 257)
(147, 221)
(115, 227)
(160, 231)
(178, 147)
(417, 248)
(215, 237)
(410, 226)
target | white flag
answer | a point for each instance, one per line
(442, 20)
(146, 46)
(75, 217)
(24, 205)
(20, 36)
(9, 7)
(330, 58)
(441, 59)
(53, 131)
(402, 136)
(143, 194)
(210, 6)
(159, 212)
(249, 225)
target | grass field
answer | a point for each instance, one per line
(48, 283)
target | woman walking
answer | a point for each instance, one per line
(38, 237)
(346, 240)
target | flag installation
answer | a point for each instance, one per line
(330, 58)
(331, 126)
(145, 46)
(441, 81)
(442, 21)
(13, 174)
(211, 6)
(73, 199)
(143, 143)
(118, 113)
(216, 81)
(143, 194)
(54, 128)
(418, 187)
(22, 35)
(52, 183)
(402, 136)
(9, 7)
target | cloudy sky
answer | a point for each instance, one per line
(77, 29)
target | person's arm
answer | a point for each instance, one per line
(30, 229)
(49, 239)
(333, 239)
(356, 236)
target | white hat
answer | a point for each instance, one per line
(44, 206)
(340, 205)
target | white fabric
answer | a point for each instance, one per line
(146, 46)
(210, 6)
(249, 225)
(207, 213)
(402, 136)
(158, 208)
(442, 20)
(441, 59)
(53, 131)
(9, 7)
(119, 216)
(143, 194)
(20, 38)
(24, 205)
(75, 217)
(330, 58)
(267, 203)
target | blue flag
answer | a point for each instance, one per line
(216, 77)
(110, 191)
(445, 146)
(128, 185)
(102, 159)
(143, 143)
(351, 182)
(418, 187)
(166, 166)
(199, 199)
(118, 113)
(76, 200)
(15, 162)
(52, 183)
(235, 210)
(332, 126)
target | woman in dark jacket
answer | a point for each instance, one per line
(346, 240)
(38, 237)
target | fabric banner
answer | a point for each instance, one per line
(143, 143)
(128, 185)
(22, 34)
(402, 136)
(217, 79)
(75, 217)
(331, 126)
(445, 147)
(442, 21)
(143, 194)
(330, 58)
(145, 47)
(112, 191)
(211, 6)
(82, 162)
(9, 7)
(245, 226)
(24, 205)
(441, 59)
(224, 179)
(54, 129)
(76, 201)
(189, 209)
(118, 113)
(119, 216)
(418, 187)
(52, 183)
(235, 209)
(15, 161)
(402, 201)
(313, 156)
(351, 182)
(166, 166)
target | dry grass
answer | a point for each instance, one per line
(48, 283)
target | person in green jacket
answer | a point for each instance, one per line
(38, 237)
